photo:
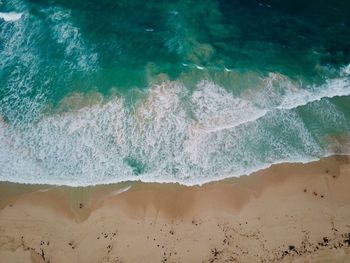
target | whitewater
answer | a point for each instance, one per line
(186, 92)
(173, 134)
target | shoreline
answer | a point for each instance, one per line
(285, 213)
(200, 184)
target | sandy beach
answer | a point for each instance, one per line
(286, 213)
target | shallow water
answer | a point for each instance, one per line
(106, 91)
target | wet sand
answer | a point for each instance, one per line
(286, 213)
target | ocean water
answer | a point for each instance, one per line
(95, 92)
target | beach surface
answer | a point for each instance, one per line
(286, 213)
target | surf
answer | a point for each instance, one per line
(172, 134)
(11, 16)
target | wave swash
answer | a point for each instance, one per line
(179, 91)
(173, 134)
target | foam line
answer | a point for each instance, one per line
(122, 190)
(11, 16)
(172, 135)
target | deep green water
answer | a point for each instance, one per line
(187, 91)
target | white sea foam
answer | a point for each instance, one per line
(122, 190)
(345, 71)
(335, 87)
(43, 190)
(67, 34)
(216, 109)
(279, 92)
(199, 67)
(22, 82)
(11, 16)
(172, 135)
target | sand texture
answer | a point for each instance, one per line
(287, 213)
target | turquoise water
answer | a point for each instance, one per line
(171, 91)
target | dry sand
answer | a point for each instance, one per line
(287, 213)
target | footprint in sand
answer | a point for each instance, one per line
(72, 244)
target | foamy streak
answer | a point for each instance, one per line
(19, 84)
(10, 17)
(337, 87)
(120, 191)
(172, 135)
(43, 190)
(26, 85)
(216, 109)
(284, 94)
(65, 33)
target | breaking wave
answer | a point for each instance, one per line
(173, 134)
(11, 16)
